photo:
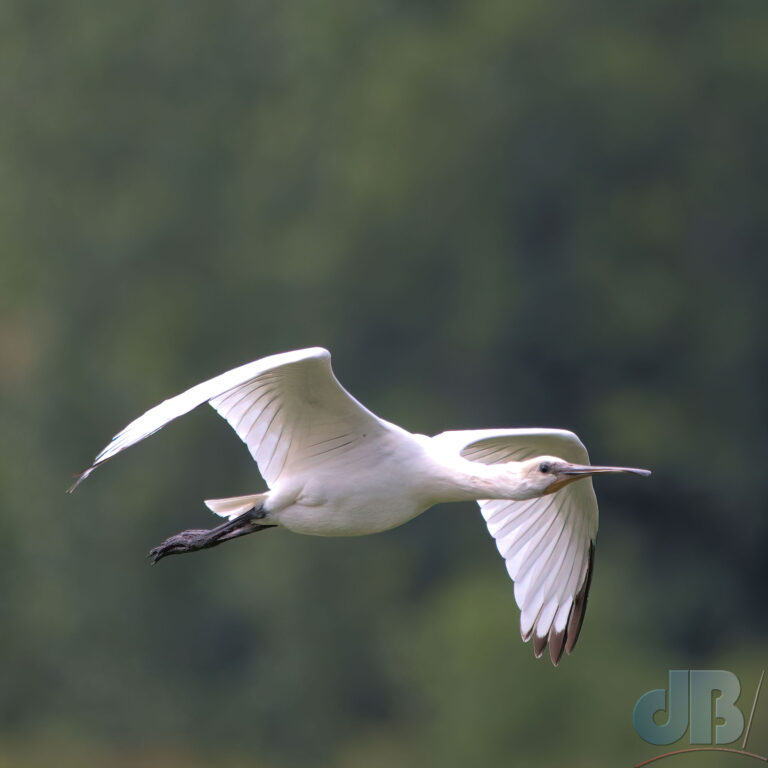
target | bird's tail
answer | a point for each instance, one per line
(235, 505)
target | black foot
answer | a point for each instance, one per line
(186, 541)
(195, 539)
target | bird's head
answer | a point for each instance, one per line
(547, 474)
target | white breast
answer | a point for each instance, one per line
(371, 491)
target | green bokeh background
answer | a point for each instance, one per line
(493, 214)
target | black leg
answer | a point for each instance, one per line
(194, 539)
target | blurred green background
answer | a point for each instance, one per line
(493, 214)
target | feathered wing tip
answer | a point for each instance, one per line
(556, 645)
(79, 477)
(580, 604)
(565, 639)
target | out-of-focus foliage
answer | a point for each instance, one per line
(493, 213)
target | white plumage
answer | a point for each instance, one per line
(335, 469)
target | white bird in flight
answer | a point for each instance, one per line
(335, 469)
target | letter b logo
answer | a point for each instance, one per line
(695, 689)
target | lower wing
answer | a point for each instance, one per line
(548, 543)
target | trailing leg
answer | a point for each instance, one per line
(195, 539)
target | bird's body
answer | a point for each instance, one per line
(378, 489)
(335, 469)
(381, 486)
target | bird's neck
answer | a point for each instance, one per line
(463, 480)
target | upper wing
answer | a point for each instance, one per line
(548, 543)
(289, 410)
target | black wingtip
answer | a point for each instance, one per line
(556, 645)
(539, 644)
(564, 641)
(579, 607)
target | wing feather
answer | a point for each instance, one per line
(279, 406)
(547, 542)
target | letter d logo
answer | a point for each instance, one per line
(677, 710)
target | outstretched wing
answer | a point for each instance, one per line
(548, 543)
(289, 410)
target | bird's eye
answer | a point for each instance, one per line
(545, 467)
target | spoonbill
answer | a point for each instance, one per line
(335, 469)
